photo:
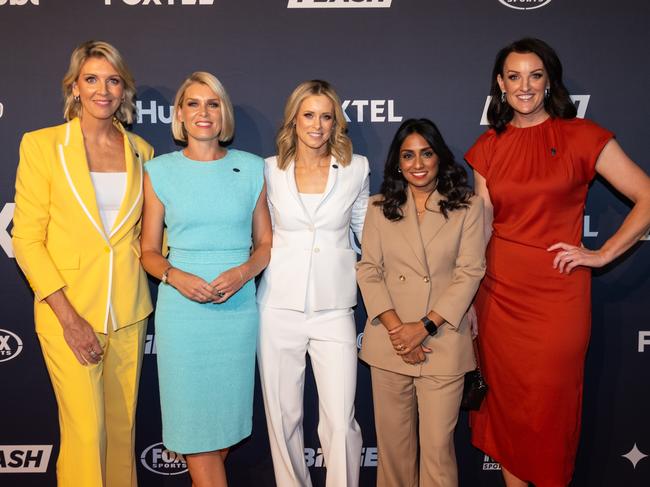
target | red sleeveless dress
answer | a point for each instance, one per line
(534, 323)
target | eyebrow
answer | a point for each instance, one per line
(517, 72)
(197, 99)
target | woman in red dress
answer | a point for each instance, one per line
(533, 168)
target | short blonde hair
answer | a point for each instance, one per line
(98, 49)
(339, 144)
(227, 112)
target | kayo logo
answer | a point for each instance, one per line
(339, 3)
(24, 458)
(158, 459)
(10, 345)
(162, 2)
(525, 4)
(581, 102)
(18, 2)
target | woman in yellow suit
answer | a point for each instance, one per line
(76, 237)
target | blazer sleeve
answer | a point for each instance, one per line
(370, 269)
(360, 205)
(469, 268)
(31, 218)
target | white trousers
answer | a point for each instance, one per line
(329, 337)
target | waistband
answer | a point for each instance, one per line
(209, 256)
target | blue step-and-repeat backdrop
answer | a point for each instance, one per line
(388, 59)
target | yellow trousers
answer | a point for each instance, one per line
(97, 408)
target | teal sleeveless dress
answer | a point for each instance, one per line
(206, 351)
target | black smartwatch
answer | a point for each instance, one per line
(429, 325)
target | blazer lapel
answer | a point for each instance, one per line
(72, 155)
(410, 230)
(133, 192)
(290, 175)
(433, 220)
(332, 177)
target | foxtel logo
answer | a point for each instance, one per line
(162, 2)
(581, 102)
(339, 3)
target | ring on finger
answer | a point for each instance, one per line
(221, 294)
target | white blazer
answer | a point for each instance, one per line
(314, 253)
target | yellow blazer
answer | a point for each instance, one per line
(58, 236)
(414, 269)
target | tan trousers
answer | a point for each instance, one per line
(415, 417)
(97, 408)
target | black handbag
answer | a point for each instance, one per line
(474, 390)
(475, 387)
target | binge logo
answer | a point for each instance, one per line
(6, 215)
(490, 464)
(525, 4)
(644, 341)
(18, 3)
(339, 3)
(377, 110)
(581, 102)
(24, 458)
(10, 345)
(156, 113)
(158, 459)
(132, 3)
(314, 458)
(150, 345)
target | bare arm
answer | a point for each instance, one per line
(481, 189)
(629, 179)
(153, 218)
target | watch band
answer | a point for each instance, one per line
(429, 325)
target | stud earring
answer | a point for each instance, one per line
(547, 92)
(77, 99)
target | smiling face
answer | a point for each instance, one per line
(418, 163)
(200, 112)
(524, 80)
(100, 89)
(314, 123)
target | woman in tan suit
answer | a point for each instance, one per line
(422, 260)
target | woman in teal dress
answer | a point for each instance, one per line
(211, 199)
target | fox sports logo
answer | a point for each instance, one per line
(10, 345)
(525, 4)
(158, 459)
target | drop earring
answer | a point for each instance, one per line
(503, 97)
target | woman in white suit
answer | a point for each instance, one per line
(317, 191)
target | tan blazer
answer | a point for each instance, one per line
(415, 269)
(58, 236)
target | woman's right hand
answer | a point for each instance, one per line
(417, 355)
(81, 339)
(191, 286)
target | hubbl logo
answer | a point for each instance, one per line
(10, 345)
(525, 4)
(158, 459)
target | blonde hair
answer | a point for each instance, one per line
(227, 112)
(98, 49)
(339, 144)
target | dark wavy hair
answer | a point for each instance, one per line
(558, 104)
(452, 178)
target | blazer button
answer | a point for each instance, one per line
(425, 278)
(316, 250)
(402, 278)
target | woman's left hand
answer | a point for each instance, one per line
(228, 283)
(407, 337)
(569, 257)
